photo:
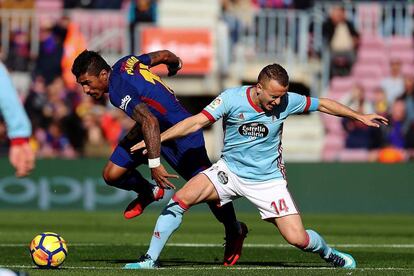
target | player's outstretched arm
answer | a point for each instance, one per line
(168, 58)
(183, 128)
(334, 108)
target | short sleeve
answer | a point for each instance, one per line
(144, 59)
(217, 108)
(300, 104)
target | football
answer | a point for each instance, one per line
(48, 250)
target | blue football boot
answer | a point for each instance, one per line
(339, 259)
(144, 262)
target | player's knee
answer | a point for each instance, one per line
(109, 177)
(185, 198)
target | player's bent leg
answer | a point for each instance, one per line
(292, 230)
(235, 231)
(197, 190)
(234, 245)
(131, 179)
(112, 174)
(144, 198)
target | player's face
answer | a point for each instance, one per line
(270, 94)
(94, 86)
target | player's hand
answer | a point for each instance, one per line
(374, 120)
(160, 175)
(174, 68)
(22, 159)
(138, 146)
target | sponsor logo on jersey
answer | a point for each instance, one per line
(222, 177)
(216, 103)
(256, 130)
(124, 102)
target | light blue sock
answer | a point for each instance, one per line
(317, 244)
(169, 220)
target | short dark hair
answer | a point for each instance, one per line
(273, 72)
(89, 62)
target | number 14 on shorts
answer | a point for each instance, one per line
(280, 206)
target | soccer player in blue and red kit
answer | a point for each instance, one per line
(144, 97)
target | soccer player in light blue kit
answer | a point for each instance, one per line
(251, 164)
(19, 129)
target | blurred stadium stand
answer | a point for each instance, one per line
(292, 37)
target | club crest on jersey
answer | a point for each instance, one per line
(216, 103)
(124, 102)
(222, 177)
(254, 130)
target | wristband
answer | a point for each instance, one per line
(154, 162)
(19, 141)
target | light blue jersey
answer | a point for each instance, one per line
(18, 124)
(252, 138)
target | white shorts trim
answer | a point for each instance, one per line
(272, 197)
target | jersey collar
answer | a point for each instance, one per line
(249, 98)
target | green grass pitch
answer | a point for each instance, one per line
(100, 243)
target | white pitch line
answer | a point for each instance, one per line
(250, 245)
(221, 267)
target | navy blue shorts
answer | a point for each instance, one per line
(187, 155)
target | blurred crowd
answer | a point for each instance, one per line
(392, 98)
(65, 122)
(392, 94)
(69, 124)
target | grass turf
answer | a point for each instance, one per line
(100, 243)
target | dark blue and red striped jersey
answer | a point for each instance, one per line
(131, 83)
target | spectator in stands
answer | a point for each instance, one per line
(62, 107)
(410, 140)
(380, 106)
(48, 62)
(340, 35)
(95, 143)
(379, 101)
(398, 135)
(53, 143)
(112, 127)
(408, 97)
(18, 58)
(358, 135)
(73, 44)
(238, 15)
(393, 84)
(140, 11)
(397, 129)
(35, 103)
